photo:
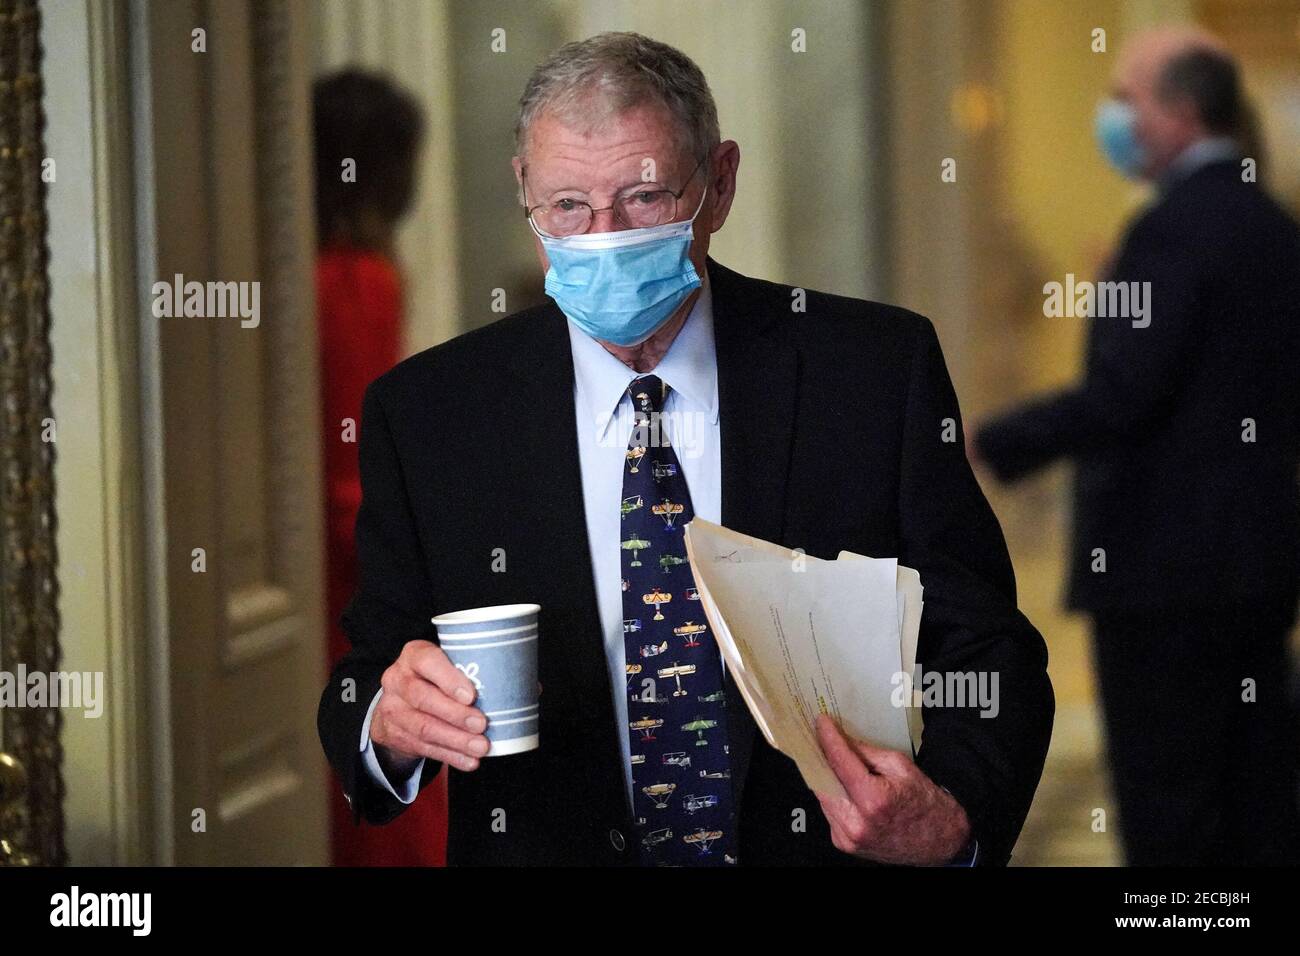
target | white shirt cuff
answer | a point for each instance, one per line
(410, 787)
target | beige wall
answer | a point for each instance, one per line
(106, 759)
(1065, 203)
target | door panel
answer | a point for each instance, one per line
(228, 132)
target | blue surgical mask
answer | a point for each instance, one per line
(621, 286)
(1116, 129)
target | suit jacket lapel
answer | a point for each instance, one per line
(757, 385)
(544, 363)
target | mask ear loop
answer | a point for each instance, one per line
(703, 196)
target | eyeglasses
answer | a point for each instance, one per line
(650, 205)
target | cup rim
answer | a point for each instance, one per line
(479, 615)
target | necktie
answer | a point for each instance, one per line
(681, 774)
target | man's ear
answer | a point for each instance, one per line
(1184, 108)
(518, 165)
(723, 183)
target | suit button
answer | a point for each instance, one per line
(617, 840)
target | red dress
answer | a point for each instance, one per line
(359, 308)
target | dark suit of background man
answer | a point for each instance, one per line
(1186, 432)
(829, 434)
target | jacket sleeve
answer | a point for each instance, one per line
(391, 607)
(989, 758)
(1134, 370)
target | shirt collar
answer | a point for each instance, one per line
(689, 367)
(1206, 150)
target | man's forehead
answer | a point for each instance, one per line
(635, 145)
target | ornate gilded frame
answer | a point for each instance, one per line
(31, 817)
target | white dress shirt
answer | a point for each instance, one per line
(604, 415)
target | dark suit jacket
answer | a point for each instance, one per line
(832, 423)
(1187, 512)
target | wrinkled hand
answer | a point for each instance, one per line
(427, 711)
(894, 813)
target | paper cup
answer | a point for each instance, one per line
(496, 648)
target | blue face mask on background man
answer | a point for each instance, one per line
(1116, 129)
(620, 287)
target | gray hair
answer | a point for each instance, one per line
(586, 83)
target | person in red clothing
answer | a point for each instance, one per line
(367, 137)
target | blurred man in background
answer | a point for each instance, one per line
(367, 136)
(1186, 430)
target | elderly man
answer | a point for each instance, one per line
(495, 469)
(1186, 430)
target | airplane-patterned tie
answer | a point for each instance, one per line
(681, 773)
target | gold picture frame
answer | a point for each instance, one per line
(31, 785)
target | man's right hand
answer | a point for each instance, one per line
(426, 711)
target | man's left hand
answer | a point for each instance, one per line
(894, 813)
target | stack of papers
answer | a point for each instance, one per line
(803, 636)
